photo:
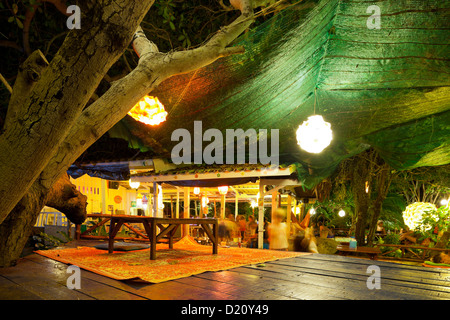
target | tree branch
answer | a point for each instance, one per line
(152, 69)
(30, 72)
(5, 83)
(58, 98)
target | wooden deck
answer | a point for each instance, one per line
(311, 277)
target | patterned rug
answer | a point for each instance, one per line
(185, 259)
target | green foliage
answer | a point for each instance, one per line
(439, 220)
(391, 211)
(327, 212)
(392, 238)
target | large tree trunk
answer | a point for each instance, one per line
(370, 172)
(17, 227)
(361, 174)
(39, 121)
(384, 178)
(65, 197)
(51, 125)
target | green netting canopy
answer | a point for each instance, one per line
(385, 88)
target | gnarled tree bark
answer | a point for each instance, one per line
(55, 128)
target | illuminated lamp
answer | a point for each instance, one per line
(312, 211)
(196, 190)
(134, 185)
(223, 190)
(149, 110)
(444, 202)
(205, 201)
(253, 204)
(341, 213)
(412, 216)
(314, 134)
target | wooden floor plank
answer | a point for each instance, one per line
(236, 290)
(285, 289)
(44, 282)
(410, 276)
(328, 284)
(13, 291)
(131, 289)
(395, 276)
(315, 276)
(390, 270)
(395, 265)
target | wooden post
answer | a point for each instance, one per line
(222, 207)
(236, 203)
(288, 212)
(274, 203)
(178, 204)
(261, 216)
(172, 214)
(155, 199)
(103, 192)
(195, 208)
(187, 200)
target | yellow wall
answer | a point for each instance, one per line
(92, 188)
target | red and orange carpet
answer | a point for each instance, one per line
(185, 259)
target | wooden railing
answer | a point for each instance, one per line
(408, 249)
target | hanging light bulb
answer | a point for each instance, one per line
(134, 185)
(341, 213)
(253, 204)
(196, 190)
(223, 189)
(312, 211)
(314, 134)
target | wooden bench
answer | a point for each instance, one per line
(371, 252)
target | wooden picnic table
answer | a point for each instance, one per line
(371, 252)
(151, 223)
